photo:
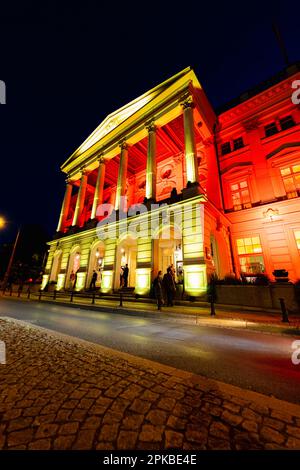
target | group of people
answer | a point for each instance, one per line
(124, 276)
(165, 288)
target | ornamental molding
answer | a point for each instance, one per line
(257, 101)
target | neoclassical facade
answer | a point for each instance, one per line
(168, 180)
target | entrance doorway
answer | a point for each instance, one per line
(73, 267)
(170, 252)
(96, 263)
(126, 254)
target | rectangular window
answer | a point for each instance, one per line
(287, 122)
(291, 180)
(271, 129)
(238, 143)
(240, 195)
(250, 260)
(225, 148)
(297, 237)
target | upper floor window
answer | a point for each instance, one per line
(251, 261)
(287, 122)
(238, 143)
(271, 129)
(291, 180)
(240, 195)
(279, 125)
(225, 148)
(297, 237)
(232, 145)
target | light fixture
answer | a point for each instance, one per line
(97, 253)
(2, 222)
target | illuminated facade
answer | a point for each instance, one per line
(237, 172)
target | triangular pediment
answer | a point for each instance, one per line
(118, 117)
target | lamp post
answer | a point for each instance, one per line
(11, 259)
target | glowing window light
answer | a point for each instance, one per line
(297, 237)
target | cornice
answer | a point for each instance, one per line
(244, 110)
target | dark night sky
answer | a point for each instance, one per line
(66, 67)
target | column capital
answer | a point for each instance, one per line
(123, 144)
(68, 180)
(101, 159)
(83, 171)
(150, 125)
(186, 101)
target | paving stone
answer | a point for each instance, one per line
(173, 440)
(270, 435)
(63, 442)
(220, 430)
(19, 423)
(46, 430)
(109, 432)
(275, 424)
(20, 437)
(127, 440)
(132, 421)
(218, 444)
(84, 440)
(150, 433)
(232, 419)
(293, 443)
(282, 417)
(292, 430)
(157, 417)
(68, 428)
(140, 406)
(176, 423)
(196, 433)
(41, 444)
(92, 422)
(249, 425)
(166, 404)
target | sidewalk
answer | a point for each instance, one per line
(225, 316)
(58, 392)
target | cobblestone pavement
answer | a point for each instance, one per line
(58, 392)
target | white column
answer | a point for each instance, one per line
(151, 162)
(121, 185)
(80, 198)
(98, 196)
(65, 207)
(189, 140)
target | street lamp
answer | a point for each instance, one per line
(11, 259)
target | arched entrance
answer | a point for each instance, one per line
(96, 262)
(56, 265)
(126, 254)
(168, 251)
(73, 267)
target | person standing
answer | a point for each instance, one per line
(169, 287)
(158, 290)
(125, 275)
(93, 281)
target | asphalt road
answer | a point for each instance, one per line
(251, 360)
